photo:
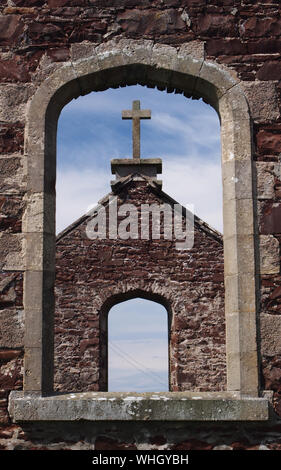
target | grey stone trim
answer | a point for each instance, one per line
(129, 62)
(168, 406)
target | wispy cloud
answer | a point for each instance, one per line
(78, 191)
(201, 130)
(131, 381)
(92, 125)
(138, 346)
(189, 149)
(199, 185)
(148, 355)
(188, 182)
(138, 365)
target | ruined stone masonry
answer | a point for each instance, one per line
(228, 53)
(92, 275)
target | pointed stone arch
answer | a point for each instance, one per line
(182, 69)
(122, 296)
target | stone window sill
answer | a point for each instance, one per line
(166, 406)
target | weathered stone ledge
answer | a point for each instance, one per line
(166, 406)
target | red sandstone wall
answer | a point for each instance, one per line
(35, 35)
(89, 272)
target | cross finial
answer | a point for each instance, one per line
(136, 114)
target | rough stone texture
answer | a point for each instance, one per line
(265, 180)
(271, 340)
(171, 406)
(190, 281)
(142, 436)
(270, 219)
(13, 99)
(263, 100)
(11, 174)
(12, 328)
(11, 137)
(269, 255)
(36, 37)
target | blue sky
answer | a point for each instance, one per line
(185, 133)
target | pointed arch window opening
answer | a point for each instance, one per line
(138, 347)
(223, 92)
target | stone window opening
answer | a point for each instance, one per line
(138, 347)
(145, 298)
(166, 67)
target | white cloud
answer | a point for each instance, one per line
(198, 183)
(132, 381)
(179, 122)
(138, 365)
(201, 130)
(149, 318)
(189, 181)
(77, 192)
(138, 346)
(140, 352)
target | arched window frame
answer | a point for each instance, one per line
(103, 318)
(129, 62)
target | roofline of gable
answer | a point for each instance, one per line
(121, 184)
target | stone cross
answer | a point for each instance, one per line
(136, 114)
